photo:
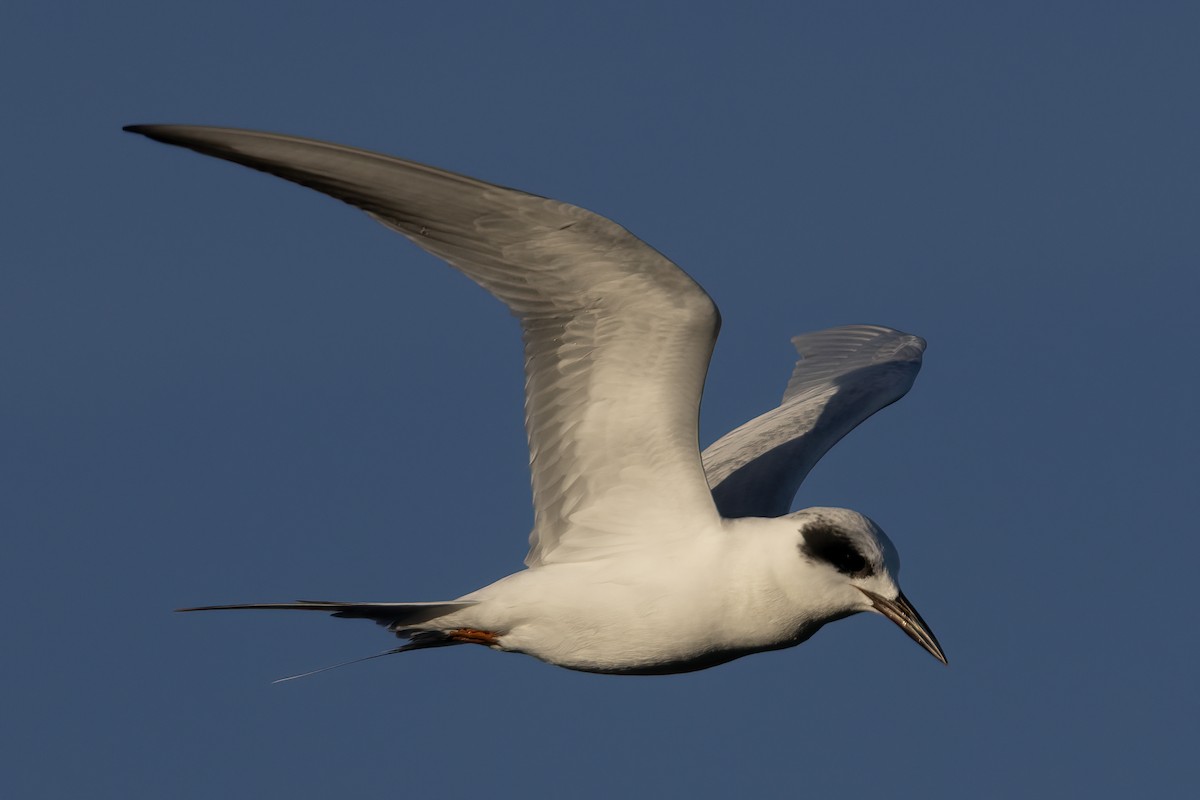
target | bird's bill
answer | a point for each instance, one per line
(901, 612)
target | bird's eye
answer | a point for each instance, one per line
(827, 543)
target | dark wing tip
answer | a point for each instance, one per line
(167, 134)
(144, 130)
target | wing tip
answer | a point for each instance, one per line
(906, 346)
(156, 132)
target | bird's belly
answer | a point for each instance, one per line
(693, 662)
(657, 638)
(677, 610)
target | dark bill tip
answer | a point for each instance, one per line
(901, 612)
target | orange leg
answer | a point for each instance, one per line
(472, 636)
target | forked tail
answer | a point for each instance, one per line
(396, 617)
(418, 641)
(393, 616)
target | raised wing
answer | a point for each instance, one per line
(844, 375)
(617, 338)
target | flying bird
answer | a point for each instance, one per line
(646, 555)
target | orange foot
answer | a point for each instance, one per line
(472, 636)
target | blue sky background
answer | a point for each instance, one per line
(218, 387)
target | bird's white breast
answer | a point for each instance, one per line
(717, 596)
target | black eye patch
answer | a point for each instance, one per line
(824, 542)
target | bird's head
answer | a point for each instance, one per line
(857, 566)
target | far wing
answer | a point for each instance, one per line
(617, 338)
(844, 375)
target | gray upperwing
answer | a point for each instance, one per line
(617, 337)
(844, 375)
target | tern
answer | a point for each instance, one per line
(647, 556)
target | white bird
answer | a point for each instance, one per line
(646, 556)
